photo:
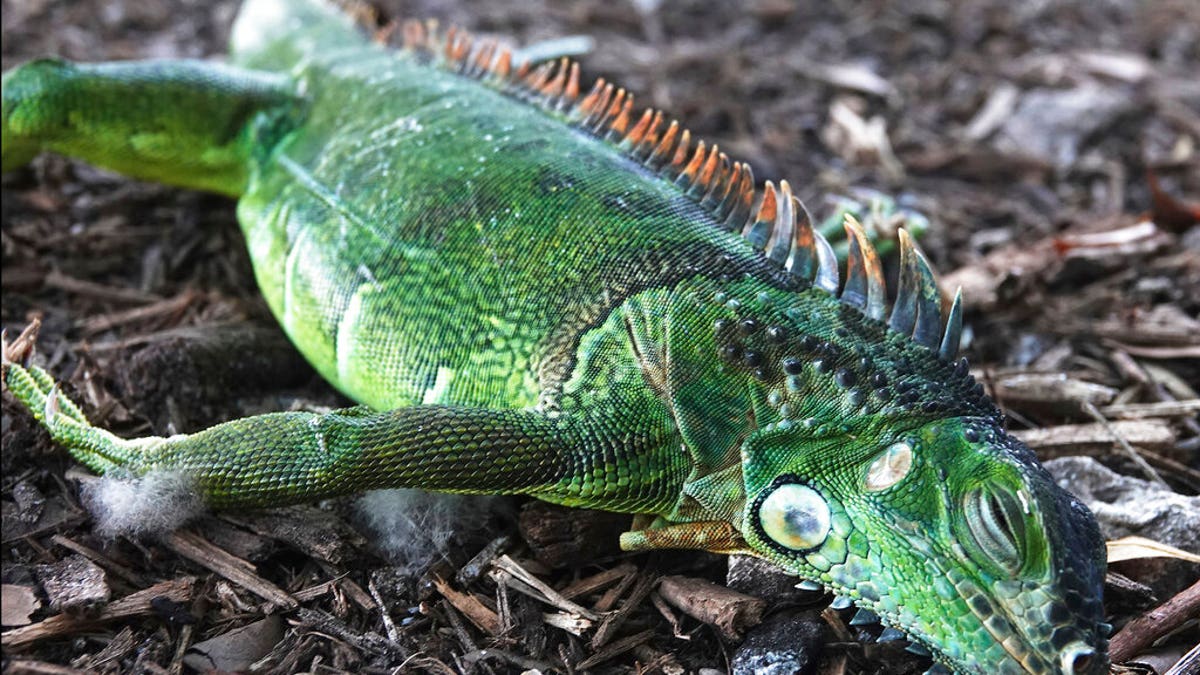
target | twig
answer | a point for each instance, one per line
(478, 613)
(1133, 454)
(549, 595)
(1140, 633)
(206, 554)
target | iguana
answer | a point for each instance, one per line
(532, 288)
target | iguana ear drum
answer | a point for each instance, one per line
(889, 467)
(795, 517)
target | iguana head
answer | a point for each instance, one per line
(948, 530)
(875, 465)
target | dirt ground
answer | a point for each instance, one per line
(1053, 145)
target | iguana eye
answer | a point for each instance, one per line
(795, 517)
(996, 522)
(889, 467)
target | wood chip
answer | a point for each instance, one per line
(17, 605)
(471, 607)
(729, 611)
(1083, 439)
(597, 581)
(74, 584)
(192, 546)
(615, 649)
(133, 605)
(645, 583)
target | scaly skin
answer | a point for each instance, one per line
(521, 307)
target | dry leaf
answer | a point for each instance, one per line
(1131, 548)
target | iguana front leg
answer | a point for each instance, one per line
(281, 458)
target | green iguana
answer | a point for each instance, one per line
(532, 289)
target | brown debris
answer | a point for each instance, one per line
(139, 604)
(74, 584)
(1143, 631)
(731, 612)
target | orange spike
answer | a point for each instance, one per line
(769, 208)
(666, 143)
(384, 35)
(555, 86)
(639, 130)
(483, 58)
(621, 123)
(504, 64)
(414, 35)
(448, 46)
(693, 166)
(539, 77)
(709, 169)
(735, 177)
(462, 47)
(572, 91)
(598, 113)
(650, 139)
(681, 152)
(588, 103)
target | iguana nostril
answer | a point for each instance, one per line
(1080, 659)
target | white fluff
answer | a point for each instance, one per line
(154, 504)
(415, 527)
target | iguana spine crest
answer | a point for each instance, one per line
(774, 221)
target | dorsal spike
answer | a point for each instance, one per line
(953, 335)
(665, 145)
(742, 200)
(917, 311)
(864, 275)
(780, 244)
(707, 174)
(503, 67)
(718, 184)
(758, 230)
(681, 154)
(554, 87)
(599, 113)
(483, 58)
(587, 106)
(572, 91)
(621, 122)
(688, 176)
(638, 131)
(827, 265)
(414, 35)
(728, 190)
(649, 139)
(803, 260)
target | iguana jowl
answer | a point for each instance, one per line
(532, 289)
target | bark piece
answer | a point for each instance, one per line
(17, 605)
(729, 611)
(74, 584)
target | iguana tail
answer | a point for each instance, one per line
(187, 123)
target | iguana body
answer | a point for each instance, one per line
(533, 292)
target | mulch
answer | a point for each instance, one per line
(1052, 145)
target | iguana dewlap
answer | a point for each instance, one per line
(533, 287)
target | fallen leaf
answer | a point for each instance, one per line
(1132, 548)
